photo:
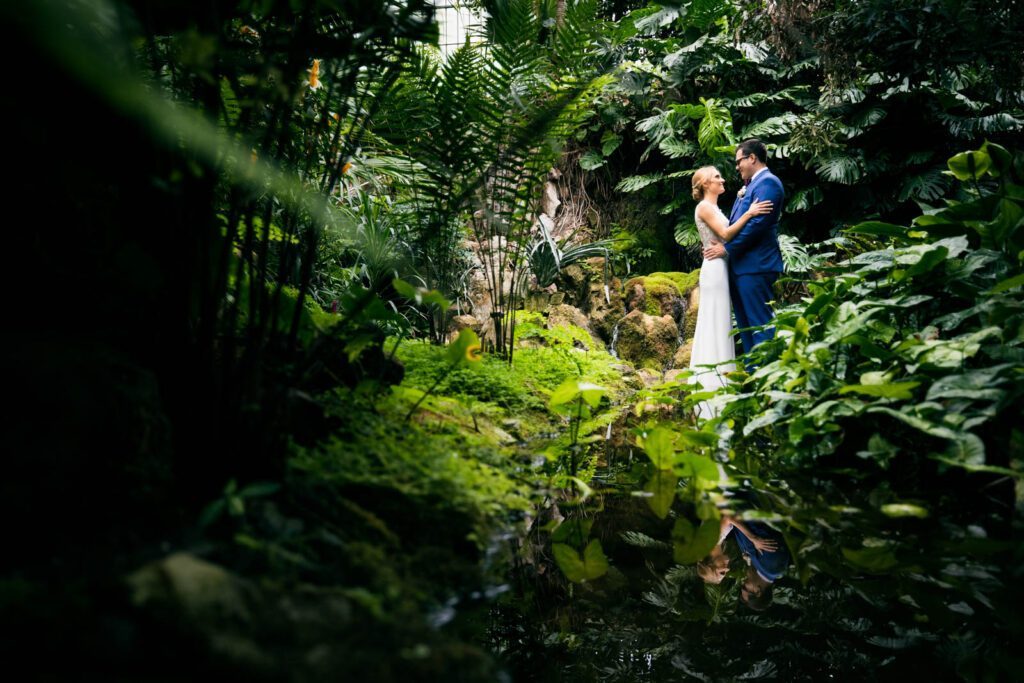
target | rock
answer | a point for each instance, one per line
(563, 315)
(673, 375)
(647, 340)
(660, 293)
(649, 376)
(537, 300)
(681, 359)
(549, 201)
(461, 322)
(575, 277)
(200, 590)
(604, 313)
(692, 307)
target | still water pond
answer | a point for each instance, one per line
(663, 565)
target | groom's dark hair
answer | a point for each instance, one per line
(755, 147)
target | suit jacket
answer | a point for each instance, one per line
(770, 565)
(756, 248)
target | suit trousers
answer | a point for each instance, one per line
(751, 293)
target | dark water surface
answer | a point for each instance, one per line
(868, 595)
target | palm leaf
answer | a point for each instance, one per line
(839, 168)
(801, 200)
(634, 183)
(776, 125)
(927, 186)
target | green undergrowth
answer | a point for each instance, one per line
(449, 456)
(545, 359)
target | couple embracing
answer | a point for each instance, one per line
(741, 263)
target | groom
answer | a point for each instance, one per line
(754, 257)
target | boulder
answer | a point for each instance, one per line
(692, 306)
(461, 322)
(647, 340)
(681, 359)
(604, 312)
(649, 376)
(660, 293)
(564, 315)
(549, 201)
(673, 375)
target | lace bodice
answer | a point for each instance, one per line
(707, 235)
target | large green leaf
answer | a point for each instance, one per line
(465, 349)
(662, 490)
(874, 559)
(576, 388)
(878, 228)
(591, 160)
(574, 532)
(637, 182)
(592, 565)
(701, 469)
(660, 446)
(899, 390)
(968, 165)
(691, 544)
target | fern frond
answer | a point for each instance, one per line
(790, 94)
(640, 540)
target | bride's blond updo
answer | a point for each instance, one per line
(701, 176)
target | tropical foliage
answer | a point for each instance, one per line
(305, 384)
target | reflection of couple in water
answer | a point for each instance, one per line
(765, 552)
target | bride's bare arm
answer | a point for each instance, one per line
(722, 228)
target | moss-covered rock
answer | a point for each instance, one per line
(572, 318)
(604, 307)
(647, 340)
(692, 307)
(660, 293)
(684, 281)
(681, 359)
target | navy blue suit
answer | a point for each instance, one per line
(754, 259)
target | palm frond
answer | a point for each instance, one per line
(776, 125)
(634, 183)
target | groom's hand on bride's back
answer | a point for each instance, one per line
(713, 251)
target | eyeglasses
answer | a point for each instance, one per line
(742, 158)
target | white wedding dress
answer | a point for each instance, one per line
(712, 341)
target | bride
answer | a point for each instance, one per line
(712, 341)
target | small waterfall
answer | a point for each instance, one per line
(615, 340)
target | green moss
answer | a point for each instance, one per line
(659, 287)
(684, 282)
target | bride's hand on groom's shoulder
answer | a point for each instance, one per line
(760, 208)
